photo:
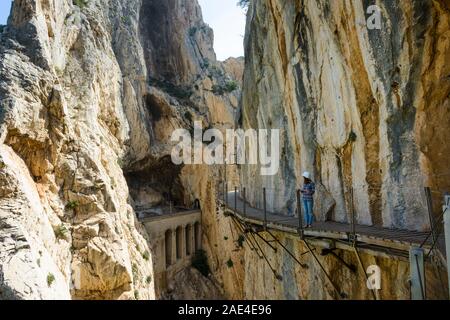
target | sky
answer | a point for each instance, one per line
(224, 16)
(228, 23)
(5, 6)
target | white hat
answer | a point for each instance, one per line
(307, 175)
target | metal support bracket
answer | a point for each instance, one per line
(417, 273)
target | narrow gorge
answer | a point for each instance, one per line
(93, 207)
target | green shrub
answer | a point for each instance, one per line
(192, 31)
(179, 92)
(215, 71)
(71, 205)
(148, 279)
(200, 262)
(205, 64)
(240, 240)
(2, 27)
(135, 271)
(146, 255)
(230, 86)
(80, 3)
(225, 238)
(126, 20)
(243, 3)
(136, 294)
(352, 136)
(218, 90)
(230, 263)
(60, 232)
(50, 279)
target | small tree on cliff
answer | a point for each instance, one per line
(243, 3)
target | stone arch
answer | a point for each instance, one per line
(188, 242)
(179, 242)
(168, 247)
(197, 236)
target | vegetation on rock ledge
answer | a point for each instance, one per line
(80, 3)
(200, 262)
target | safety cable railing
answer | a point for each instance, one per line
(287, 204)
(283, 196)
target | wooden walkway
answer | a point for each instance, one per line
(390, 239)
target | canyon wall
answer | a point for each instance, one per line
(90, 92)
(362, 109)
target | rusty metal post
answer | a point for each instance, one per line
(299, 211)
(265, 209)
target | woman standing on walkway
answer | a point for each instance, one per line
(308, 191)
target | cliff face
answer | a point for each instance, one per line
(90, 93)
(359, 108)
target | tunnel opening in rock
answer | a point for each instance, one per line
(179, 242)
(168, 247)
(156, 188)
(188, 233)
(153, 107)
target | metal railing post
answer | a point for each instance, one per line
(265, 209)
(223, 191)
(245, 203)
(430, 211)
(352, 218)
(299, 211)
(235, 199)
(226, 193)
(446, 210)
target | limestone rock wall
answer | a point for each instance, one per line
(90, 92)
(359, 108)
